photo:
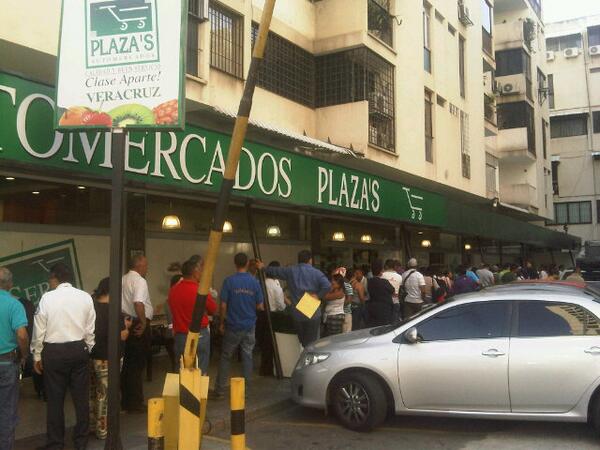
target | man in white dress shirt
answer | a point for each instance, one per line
(63, 336)
(136, 304)
(395, 279)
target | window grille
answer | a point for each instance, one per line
(568, 126)
(192, 45)
(226, 40)
(518, 115)
(572, 213)
(380, 21)
(564, 42)
(358, 75)
(428, 127)
(288, 70)
(464, 145)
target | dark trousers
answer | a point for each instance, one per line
(265, 343)
(66, 367)
(9, 398)
(308, 330)
(410, 309)
(134, 362)
(358, 317)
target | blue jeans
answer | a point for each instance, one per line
(203, 350)
(9, 397)
(231, 341)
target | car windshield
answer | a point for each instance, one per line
(377, 331)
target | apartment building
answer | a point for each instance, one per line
(573, 61)
(380, 128)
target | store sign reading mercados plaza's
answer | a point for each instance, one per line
(121, 64)
(195, 159)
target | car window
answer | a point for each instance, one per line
(471, 321)
(544, 319)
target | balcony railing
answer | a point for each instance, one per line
(517, 144)
(489, 109)
(487, 43)
(522, 194)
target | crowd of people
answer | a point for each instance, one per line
(66, 341)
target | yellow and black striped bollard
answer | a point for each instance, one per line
(156, 436)
(238, 413)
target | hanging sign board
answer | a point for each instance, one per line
(31, 268)
(121, 64)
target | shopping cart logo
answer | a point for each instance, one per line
(414, 203)
(116, 17)
(121, 32)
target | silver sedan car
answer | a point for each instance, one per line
(525, 351)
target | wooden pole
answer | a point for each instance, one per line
(222, 208)
(263, 285)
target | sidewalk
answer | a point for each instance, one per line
(265, 396)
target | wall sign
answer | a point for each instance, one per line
(30, 269)
(121, 64)
(195, 159)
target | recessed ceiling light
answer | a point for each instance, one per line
(35, 192)
(10, 178)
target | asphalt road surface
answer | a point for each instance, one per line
(305, 429)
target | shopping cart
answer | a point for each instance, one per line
(416, 212)
(126, 15)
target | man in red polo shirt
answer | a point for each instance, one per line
(182, 298)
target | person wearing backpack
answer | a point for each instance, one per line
(414, 288)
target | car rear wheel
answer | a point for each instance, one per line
(358, 401)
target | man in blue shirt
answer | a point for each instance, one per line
(241, 296)
(302, 279)
(13, 334)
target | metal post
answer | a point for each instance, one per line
(113, 441)
(222, 208)
(263, 285)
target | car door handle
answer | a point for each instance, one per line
(593, 351)
(494, 353)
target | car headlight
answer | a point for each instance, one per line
(310, 359)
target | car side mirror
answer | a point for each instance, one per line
(411, 335)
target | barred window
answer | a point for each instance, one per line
(428, 127)
(226, 40)
(567, 126)
(358, 75)
(572, 213)
(380, 20)
(287, 70)
(563, 42)
(518, 115)
(594, 35)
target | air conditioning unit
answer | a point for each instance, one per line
(198, 9)
(463, 15)
(549, 56)
(572, 52)
(594, 50)
(511, 88)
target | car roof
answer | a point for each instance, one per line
(531, 289)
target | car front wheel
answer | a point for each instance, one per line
(359, 401)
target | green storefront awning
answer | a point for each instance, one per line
(193, 161)
(469, 220)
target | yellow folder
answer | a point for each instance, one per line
(308, 305)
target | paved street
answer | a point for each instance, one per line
(305, 429)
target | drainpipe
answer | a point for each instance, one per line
(586, 59)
